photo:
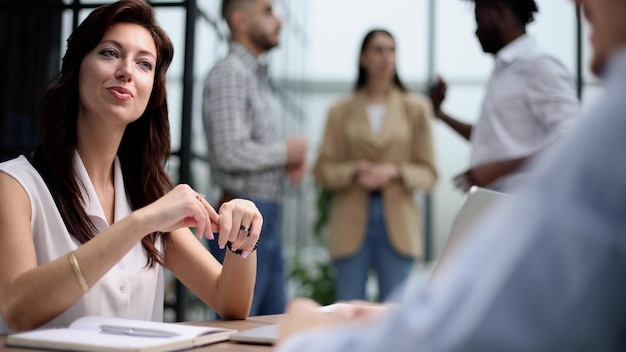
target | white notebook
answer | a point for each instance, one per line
(114, 334)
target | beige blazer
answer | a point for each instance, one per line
(405, 139)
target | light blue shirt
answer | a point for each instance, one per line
(547, 273)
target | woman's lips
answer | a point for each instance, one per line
(121, 93)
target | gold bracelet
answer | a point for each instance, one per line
(78, 272)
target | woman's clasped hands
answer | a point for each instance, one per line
(238, 221)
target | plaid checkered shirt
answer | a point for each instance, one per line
(245, 154)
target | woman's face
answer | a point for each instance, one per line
(116, 78)
(379, 57)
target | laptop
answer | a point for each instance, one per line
(268, 334)
(478, 203)
(263, 335)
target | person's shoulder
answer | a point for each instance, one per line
(222, 66)
(227, 66)
(417, 102)
(544, 58)
(21, 169)
(225, 62)
(415, 99)
(545, 70)
(544, 63)
(19, 163)
(341, 109)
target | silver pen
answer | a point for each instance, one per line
(131, 331)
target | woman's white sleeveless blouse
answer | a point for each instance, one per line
(130, 289)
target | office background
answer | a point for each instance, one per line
(315, 65)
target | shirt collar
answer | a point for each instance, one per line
(90, 200)
(515, 49)
(247, 57)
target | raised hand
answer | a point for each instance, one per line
(437, 93)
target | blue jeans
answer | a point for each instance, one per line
(392, 268)
(269, 289)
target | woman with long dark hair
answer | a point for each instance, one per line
(91, 218)
(377, 150)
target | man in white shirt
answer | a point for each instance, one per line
(529, 103)
(544, 274)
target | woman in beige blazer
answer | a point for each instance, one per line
(377, 150)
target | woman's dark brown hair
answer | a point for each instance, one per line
(145, 146)
(362, 77)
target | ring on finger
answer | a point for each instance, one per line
(246, 229)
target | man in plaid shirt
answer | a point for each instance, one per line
(247, 158)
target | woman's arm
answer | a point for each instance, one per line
(420, 172)
(32, 295)
(332, 170)
(228, 289)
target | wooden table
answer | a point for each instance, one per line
(228, 346)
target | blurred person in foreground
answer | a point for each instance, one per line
(247, 158)
(376, 153)
(529, 104)
(543, 274)
(90, 219)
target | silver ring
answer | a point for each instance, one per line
(200, 195)
(245, 228)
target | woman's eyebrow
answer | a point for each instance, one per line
(119, 45)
